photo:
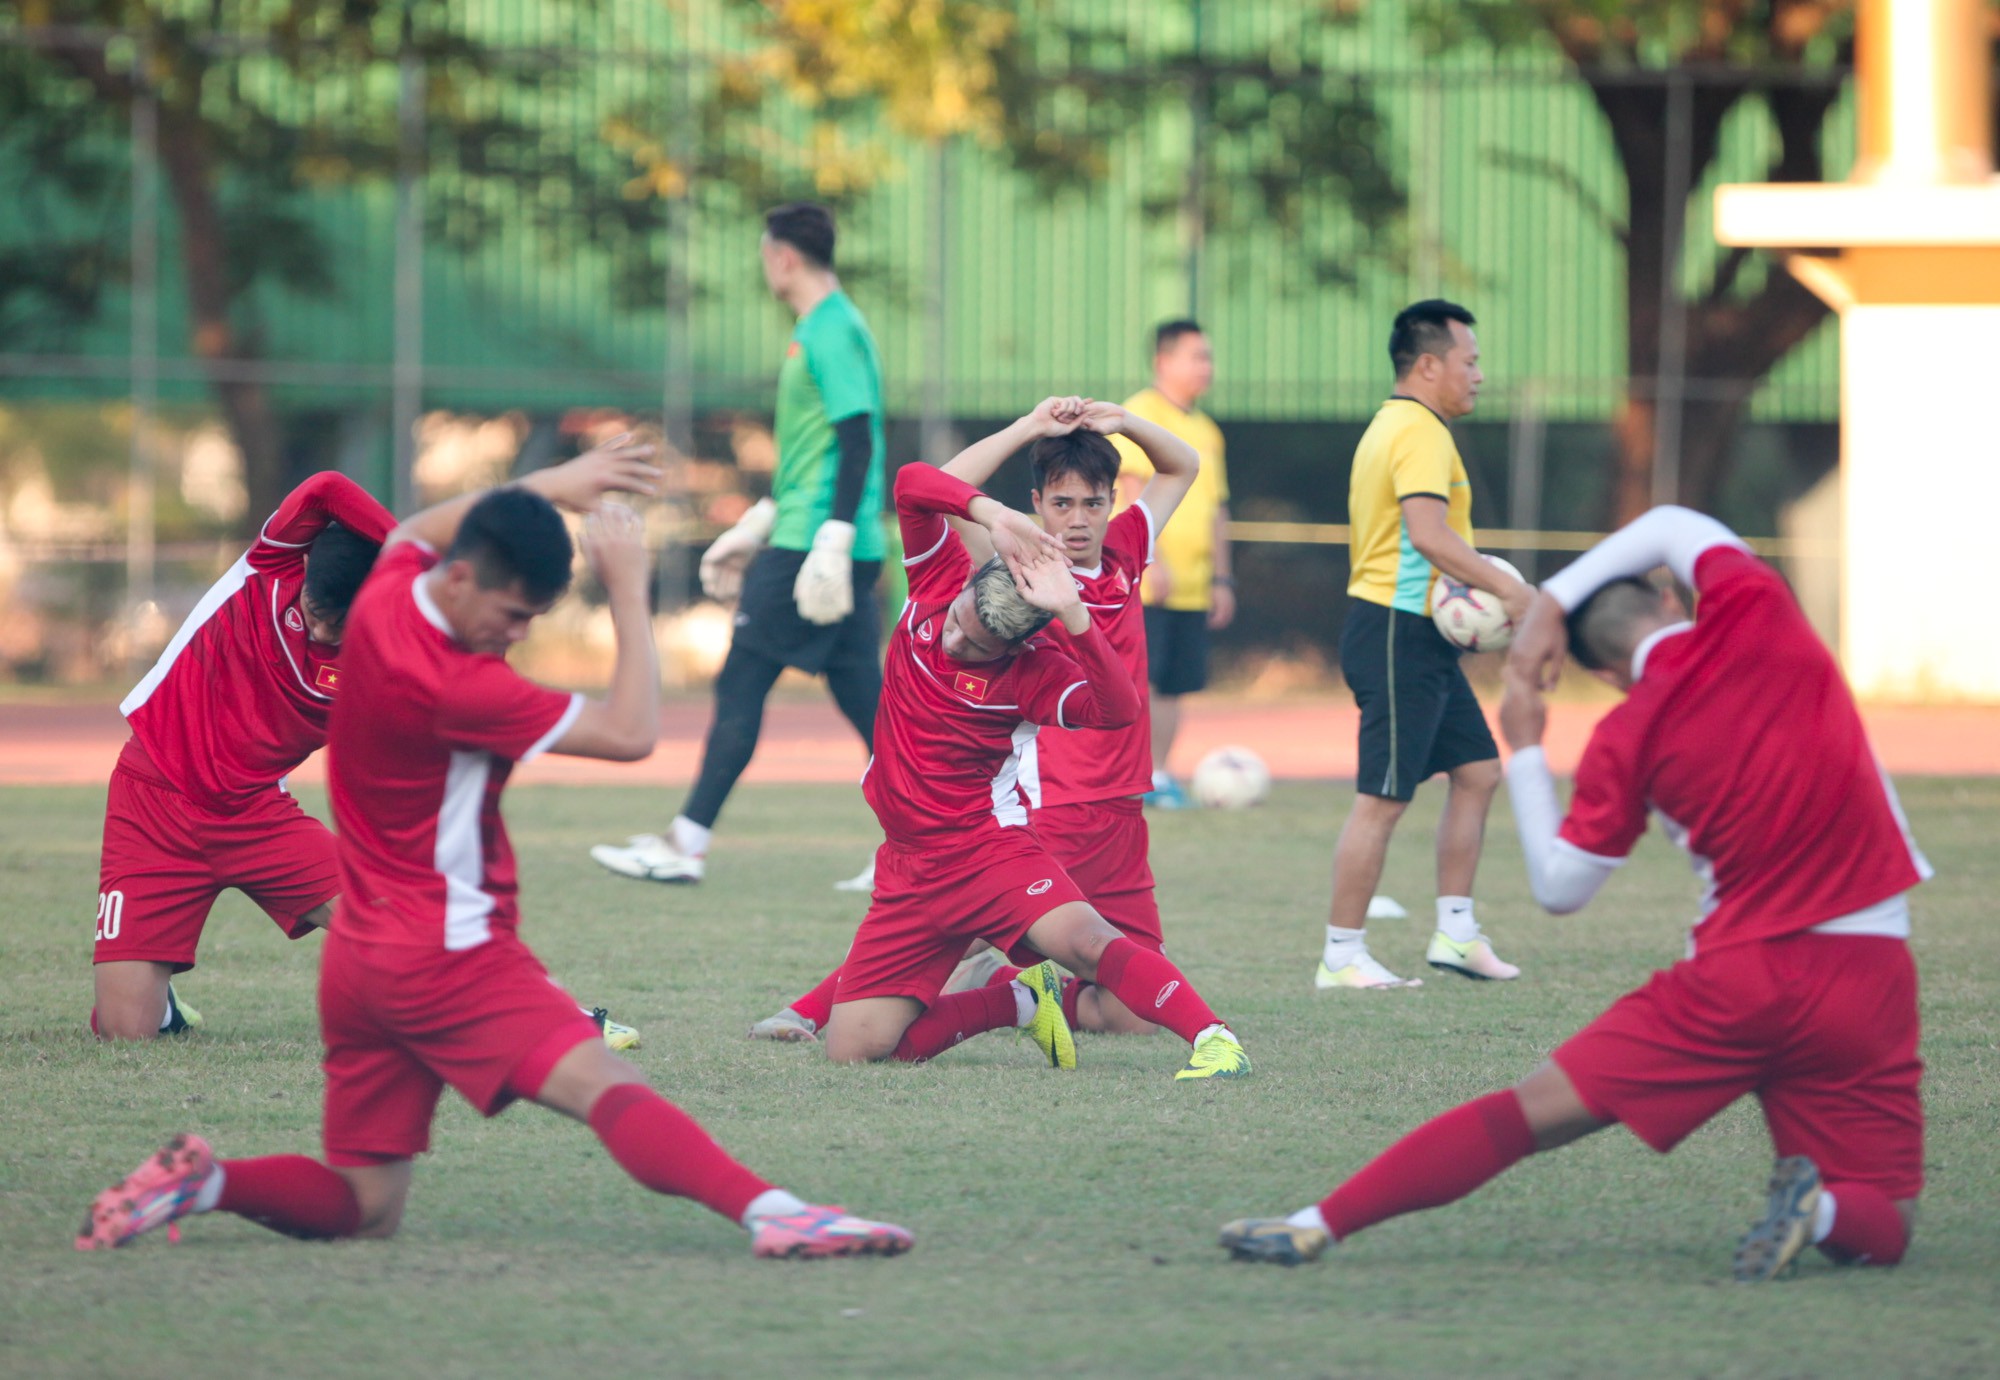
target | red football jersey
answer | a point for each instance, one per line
(950, 734)
(241, 694)
(1086, 764)
(1742, 736)
(422, 741)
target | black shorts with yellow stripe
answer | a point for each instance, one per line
(1418, 713)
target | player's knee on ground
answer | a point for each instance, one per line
(380, 1191)
(861, 1032)
(131, 999)
(1098, 1011)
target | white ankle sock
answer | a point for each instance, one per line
(1024, 1004)
(772, 1202)
(1209, 1030)
(1309, 1217)
(1344, 946)
(1456, 920)
(1823, 1212)
(690, 838)
(167, 1016)
(210, 1193)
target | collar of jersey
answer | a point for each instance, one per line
(1652, 640)
(427, 606)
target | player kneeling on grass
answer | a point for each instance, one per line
(966, 687)
(240, 698)
(425, 982)
(1083, 785)
(1738, 731)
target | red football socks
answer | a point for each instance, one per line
(817, 1005)
(293, 1195)
(1153, 988)
(1867, 1229)
(1441, 1161)
(954, 1018)
(666, 1150)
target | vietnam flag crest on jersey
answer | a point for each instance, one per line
(970, 686)
(328, 678)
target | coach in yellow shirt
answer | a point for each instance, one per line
(1409, 505)
(1189, 590)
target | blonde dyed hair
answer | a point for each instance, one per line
(1006, 614)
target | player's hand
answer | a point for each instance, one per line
(1056, 416)
(824, 589)
(1541, 641)
(722, 565)
(1524, 714)
(1045, 581)
(1221, 606)
(614, 543)
(1018, 537)
(623, 464)
(1517, 600)
(1104, 418)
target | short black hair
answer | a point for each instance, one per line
(1167, 332)
(806, 226)
(1424, 328)
(338, 560)
(1599, 627)
(1085, 454)
(514, 534)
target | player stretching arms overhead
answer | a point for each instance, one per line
(197, 804)
(966, 688)
(426, 982)
(1737, 731)
(1083, 786)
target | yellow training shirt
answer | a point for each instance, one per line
(1187, 547)
(1406, 450)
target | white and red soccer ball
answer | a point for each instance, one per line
(1471, 618)
(1230, 778)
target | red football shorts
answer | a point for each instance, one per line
(1103, 845)
(1822, 1028)
(400, 1024)
(929, 904)
(166, 858)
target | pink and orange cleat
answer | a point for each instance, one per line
(156, 1194)
(818, 1233)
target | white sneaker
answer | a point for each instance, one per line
(787, 1027)
(650, 858)
(1362, 972)
(1385, 908)
(1474, 959)
(861, 881)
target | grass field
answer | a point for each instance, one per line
(1065, 1223)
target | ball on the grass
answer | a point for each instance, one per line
(1231, 778)
(1471, 618)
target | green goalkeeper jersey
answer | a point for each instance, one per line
(831, 372)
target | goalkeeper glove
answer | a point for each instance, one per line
(824, 590)
(722, 564)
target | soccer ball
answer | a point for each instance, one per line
(1471, 618)
(1231, 778)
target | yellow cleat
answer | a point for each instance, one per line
(181, 1017)
(616, 1037)
(1364, 972)
(1216, 1055)
(1050, 1029)
(1273, 1240)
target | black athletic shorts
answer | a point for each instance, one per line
(1418, 714)
(1177, 650)
(768, 621)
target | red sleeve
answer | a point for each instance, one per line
(492, 708)
(1128, 539)
(1607, 812)
(1093, 691)
(328, 496)
(933, 556)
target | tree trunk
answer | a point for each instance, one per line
(246, 403)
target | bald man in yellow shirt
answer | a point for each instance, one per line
(1189, 589)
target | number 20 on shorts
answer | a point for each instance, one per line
(110, 914)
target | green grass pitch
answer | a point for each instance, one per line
(1065, 1223)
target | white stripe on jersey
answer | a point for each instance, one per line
(1007, 808)
(909, 561)
(460, 858)
(556, 730)
(218, 594)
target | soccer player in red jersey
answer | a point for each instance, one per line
(425, 981)
(967, 687)
(197, 802)
(1083, 786)
(1739, 733)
